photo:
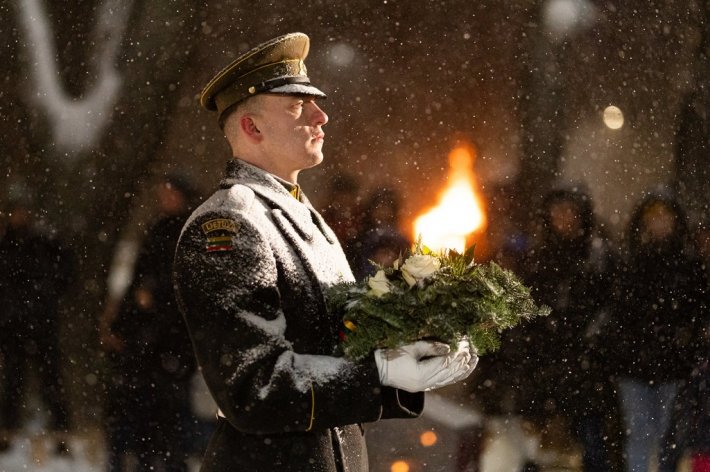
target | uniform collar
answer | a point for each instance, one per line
(276, 192)
(239, 171)
(293, 189)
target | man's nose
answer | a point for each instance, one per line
(319, 117)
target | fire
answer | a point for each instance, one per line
(459, 212)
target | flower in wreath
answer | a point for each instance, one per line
(418, 267)
(379, 284)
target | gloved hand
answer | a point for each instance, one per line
(465, 346)
(425, 365)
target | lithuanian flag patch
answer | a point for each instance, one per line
(220, 234)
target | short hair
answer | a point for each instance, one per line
(247, 104)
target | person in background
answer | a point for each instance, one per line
(699, 399)
(150, 360)
(343, 211)
(379, 240)
(698, 406)
(659, 302)
(35, 271)
(508, 241)
(572, 271)
(251, 268)
(689, 431)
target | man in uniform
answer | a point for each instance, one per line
(250, 271)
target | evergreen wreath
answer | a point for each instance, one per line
(426, 295)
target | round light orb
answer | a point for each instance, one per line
(562, 18)
(399, 466)
(341, 54)
(613, 117)
(428, 438)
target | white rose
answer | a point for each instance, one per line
(379, 284)
(418, 267)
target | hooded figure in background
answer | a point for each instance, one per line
(572, 271)
(659, 303)
(148, 348)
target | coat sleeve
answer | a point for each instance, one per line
(231, 303)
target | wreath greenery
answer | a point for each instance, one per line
(426, 295)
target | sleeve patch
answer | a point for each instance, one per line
(220, 234)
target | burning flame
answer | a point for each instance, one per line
(459, 212)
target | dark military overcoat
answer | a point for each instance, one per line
(250, 271)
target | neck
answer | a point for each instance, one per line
(258, 158)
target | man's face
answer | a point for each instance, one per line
(292, 130)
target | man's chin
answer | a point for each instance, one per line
(316, 159)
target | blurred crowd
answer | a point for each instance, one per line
(149, 374)
(622, 360)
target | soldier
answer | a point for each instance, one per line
(250, 269)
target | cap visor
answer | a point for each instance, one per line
(298, 89)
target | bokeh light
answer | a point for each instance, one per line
(428, 438)
(341, 54)
(613, 117)
(399, 466)
(565, 17)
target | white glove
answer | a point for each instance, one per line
(465, 346)
(424, 365)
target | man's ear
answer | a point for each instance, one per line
(249, 128)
